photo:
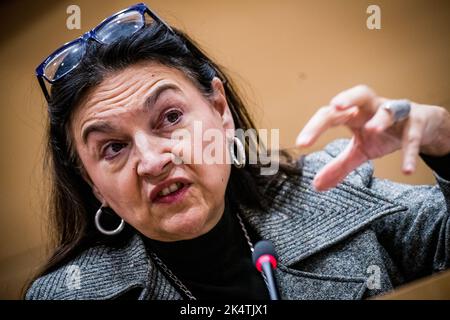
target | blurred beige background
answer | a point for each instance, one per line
(289, 58)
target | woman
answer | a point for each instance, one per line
(136, 220)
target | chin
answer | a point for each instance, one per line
(186, 226)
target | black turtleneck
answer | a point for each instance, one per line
(216, 265)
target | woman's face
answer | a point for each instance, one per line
(122, 133)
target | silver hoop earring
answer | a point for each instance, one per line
(239, 160)
(107, 232)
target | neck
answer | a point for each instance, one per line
(208, 253)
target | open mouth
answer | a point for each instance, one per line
(172, 193)
(174, 187)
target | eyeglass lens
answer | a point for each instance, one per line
(121, 26)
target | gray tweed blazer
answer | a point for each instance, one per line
(360, 239)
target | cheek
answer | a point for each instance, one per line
(213, 180)
(214, 169)
(119, 189)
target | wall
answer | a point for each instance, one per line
(289, 58)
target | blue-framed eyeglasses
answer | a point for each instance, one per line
(121, 24)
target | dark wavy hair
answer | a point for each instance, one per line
(71, 202)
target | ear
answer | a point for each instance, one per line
(220, 103)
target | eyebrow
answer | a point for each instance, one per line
(105, 127)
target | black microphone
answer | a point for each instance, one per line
(265, 259)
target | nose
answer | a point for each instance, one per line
(153, 158)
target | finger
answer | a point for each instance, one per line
(411, 140)
(360, 95)
(322, 120)
(336, 170)
(380, 121)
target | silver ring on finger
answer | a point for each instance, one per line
(398, 109)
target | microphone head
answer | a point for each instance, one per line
(264, 251)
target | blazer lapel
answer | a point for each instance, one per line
(300, 221)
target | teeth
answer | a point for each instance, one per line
(172, 188)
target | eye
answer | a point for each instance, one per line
(113, 149)
(172, 117)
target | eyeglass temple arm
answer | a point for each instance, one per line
(157, 18)
(44, 88)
